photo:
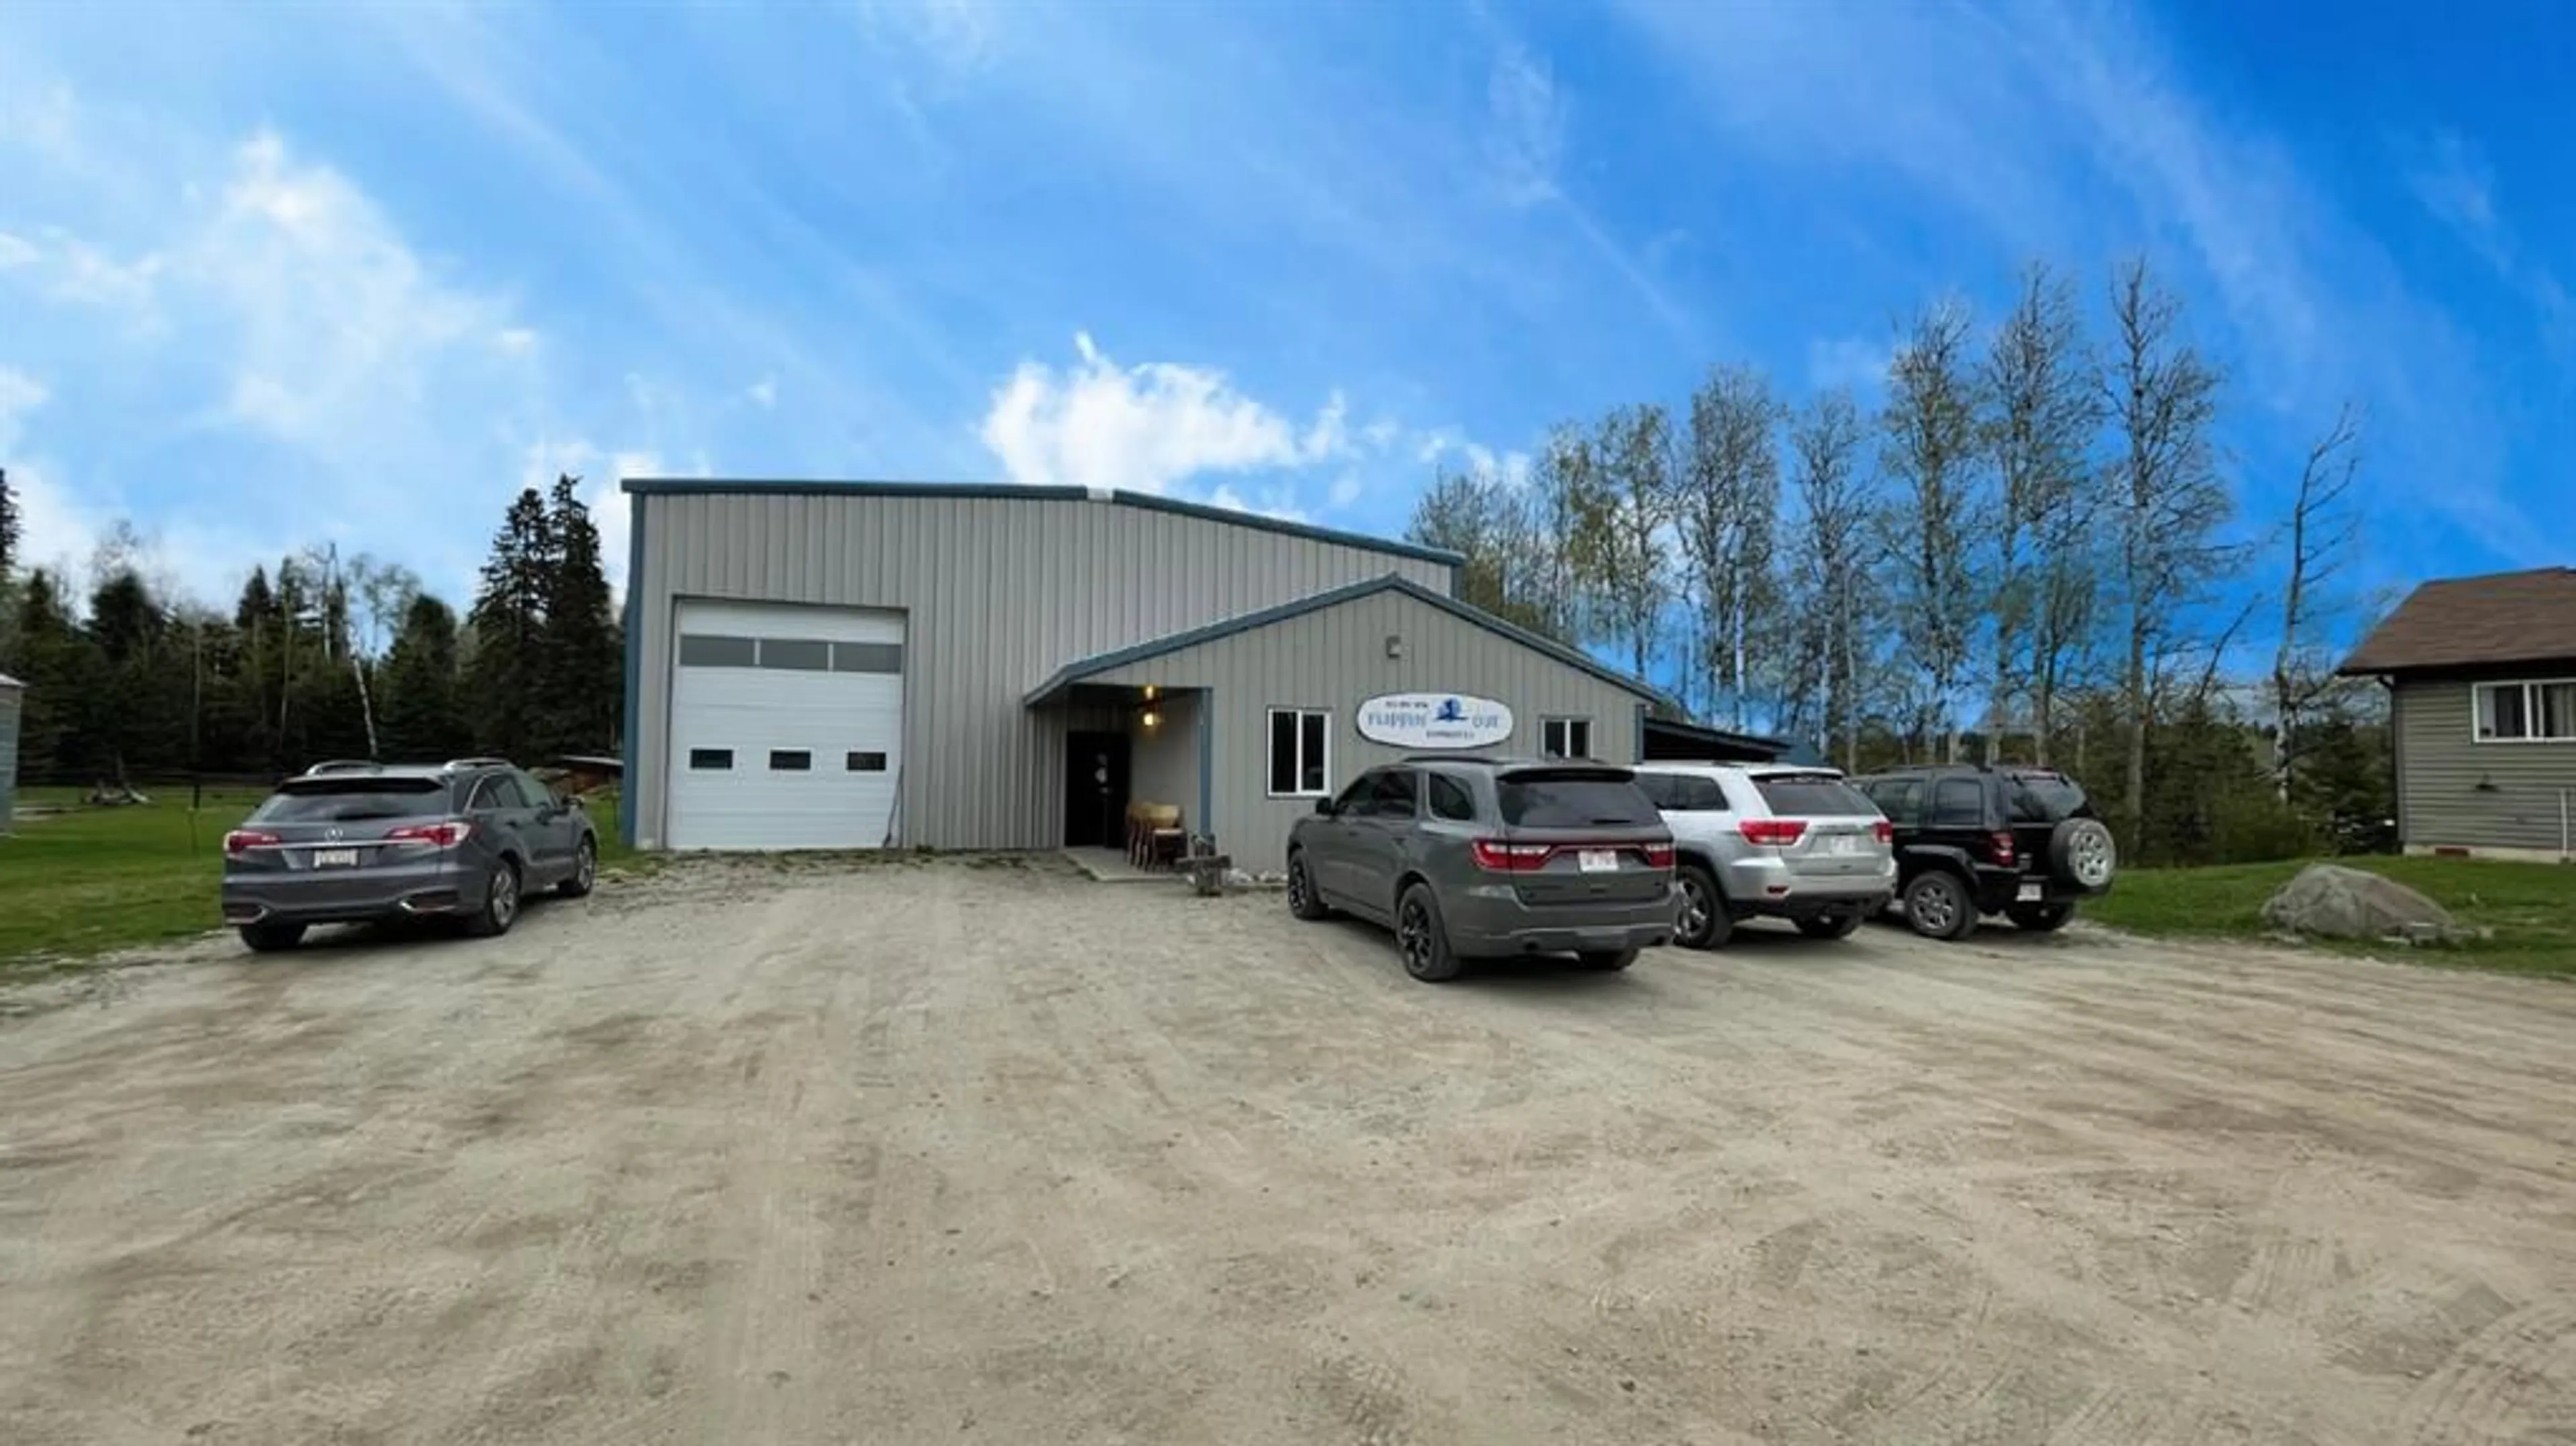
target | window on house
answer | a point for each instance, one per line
(1300, 764)
(2527, 712)
(867, 763)
(1565, 737)
(790, 760)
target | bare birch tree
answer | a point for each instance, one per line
(2044, 409)
(1628, 526)
(1484, 518)
(1930, 450)
(1730, 496)
(2163, 399)
(2321, 526)
(1834, 558)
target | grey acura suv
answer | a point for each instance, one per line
(346, 843)
(1477, 857)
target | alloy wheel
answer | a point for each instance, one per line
(1695, 909)
(1936, 911)
(505, 895)
(1413, 935)
(1296, 886)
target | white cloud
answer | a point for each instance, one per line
(2452, 180)
(19, 395)
(1347, 489)
(1525, 135)
(17, 251)
(762, 394)
(1279, 502)
(516, 340)
(1097, 424)
(1849, 361)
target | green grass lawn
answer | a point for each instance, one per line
(2530, 907)
(96, 879)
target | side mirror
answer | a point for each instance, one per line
(1324, 806)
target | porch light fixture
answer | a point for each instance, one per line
(1149, 692)
(1152, 718)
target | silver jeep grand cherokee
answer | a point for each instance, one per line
(1478, 857)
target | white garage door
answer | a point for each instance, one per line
(786, 727)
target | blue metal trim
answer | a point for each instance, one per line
(1075, 672)
(715, 486)
(629, 787)
(1207, 763)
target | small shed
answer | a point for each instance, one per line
(12, 692)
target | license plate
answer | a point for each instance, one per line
(2032, 893)
(1598, 861)
(1845, 844)
(335, 858)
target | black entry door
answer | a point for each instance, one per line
(1095, 789)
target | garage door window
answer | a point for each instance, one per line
(786, 760)
(867, 657)
(802, 655)
(867, 763)
(1299, 745)
(713, 650)
(710, 759)
(1565, 737)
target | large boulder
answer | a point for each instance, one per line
(2335, 902)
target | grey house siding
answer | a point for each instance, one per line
(12, 701)
(2441, 766)
(1335, 657)
(998, 592)
(1164, 764)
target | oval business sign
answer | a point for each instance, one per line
(1434, 720)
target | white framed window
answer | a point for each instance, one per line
(1565, 737)
(2532, 712)
(1301, 745)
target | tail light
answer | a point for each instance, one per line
(1775, 831)
(1511, 858)
(437, 835)
(242, 840)
(1659, 856)
(1886, 831)
(2002, 847)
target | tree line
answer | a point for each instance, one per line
(2026, 550)
(321, 656)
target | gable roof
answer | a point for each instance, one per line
(2469, 622)
(954, 491)
(1074, 672)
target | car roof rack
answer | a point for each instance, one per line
(342, 765)
(454, 764)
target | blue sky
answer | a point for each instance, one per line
(273, 276)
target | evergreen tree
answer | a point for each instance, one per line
(135, 711)
(60, 668)
(422, 717)
(508, 623)
(579, 700)
(9, 530)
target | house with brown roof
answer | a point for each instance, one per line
(2481, 673)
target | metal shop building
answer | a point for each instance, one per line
(865, 665)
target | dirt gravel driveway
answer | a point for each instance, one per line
(915, 1153)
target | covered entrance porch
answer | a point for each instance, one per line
(1134, 767)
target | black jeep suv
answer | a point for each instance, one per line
(1972, 840)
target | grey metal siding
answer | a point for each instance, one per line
(2455, 791)
(11, 702)
(1164, 767)
(999, 592)
(1333, 659)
